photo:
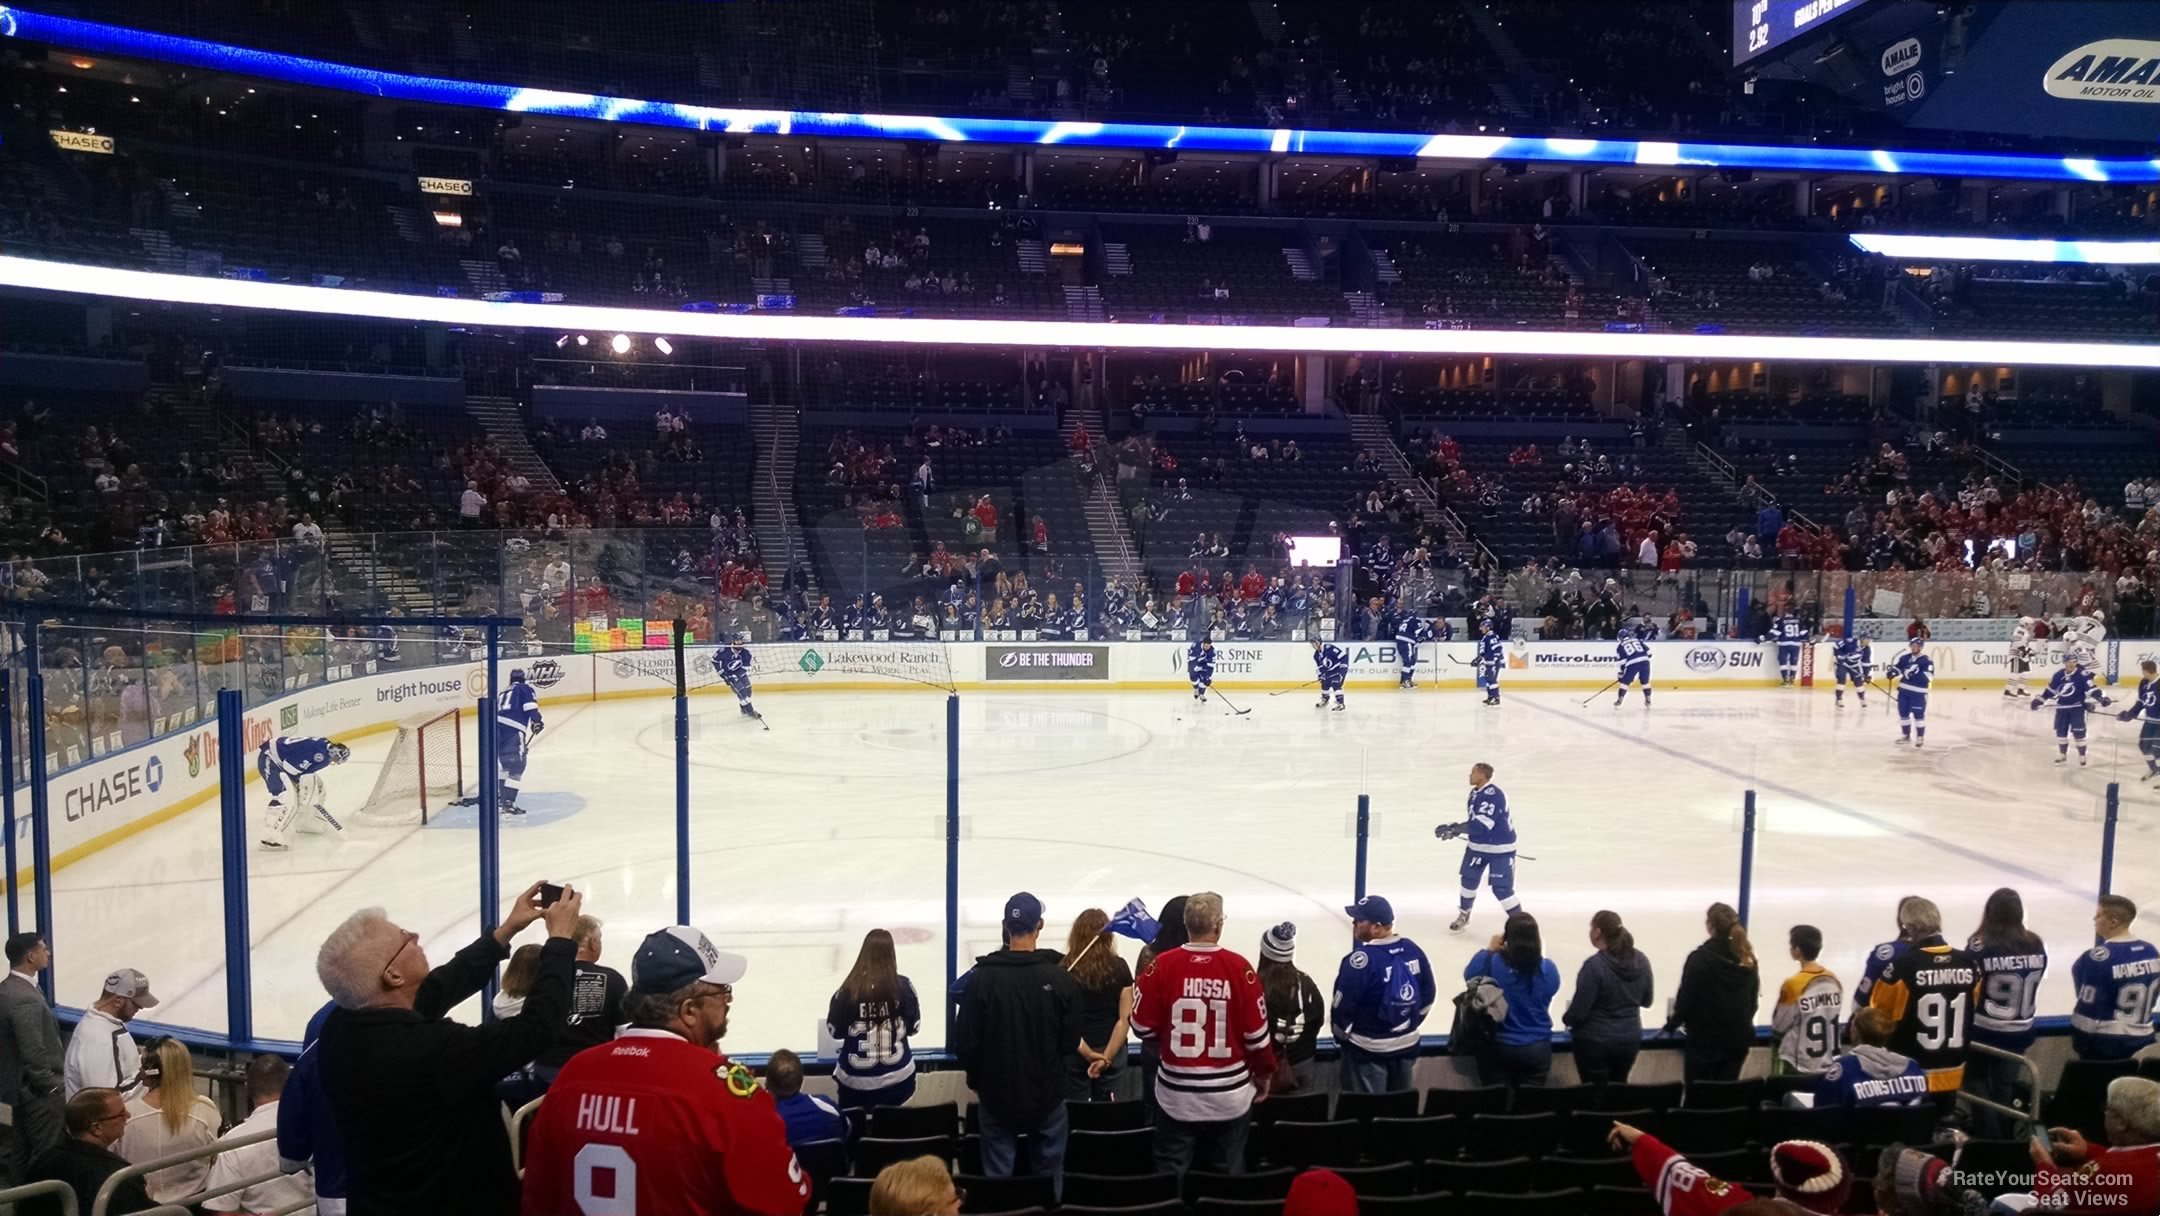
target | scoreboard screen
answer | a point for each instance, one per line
(1762, 26)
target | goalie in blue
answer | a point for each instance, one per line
(290, 770)
(732, 663)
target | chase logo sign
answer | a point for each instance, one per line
(2113, 69)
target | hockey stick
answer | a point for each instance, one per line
(1226, 702)
(1601, 692)
(1307, 684)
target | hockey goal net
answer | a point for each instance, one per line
(424, 770)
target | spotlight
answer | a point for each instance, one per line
(581, 340)
(664, 346)
(621, 344)
(562, 341)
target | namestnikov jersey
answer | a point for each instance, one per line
(2009, 993)
(649, 1122)
(1205, 1011)
(1805, 1019)
(2116, 982)
(1928, 988)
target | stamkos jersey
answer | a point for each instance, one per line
(1383, 991)
(1928, 988)
(1788, 630)
(873, 1035)
(1806, 1019)
(2009, 993)
(299, 757)
(1203, 1008)
(650, 1122)
(2069, 690)
(1913, 672)
(517, 715)
(1200, 663)
(1492, 829)
(1633, 650)
(1872, 1076)
(1333, 664)
(732, 663)
(1855, 655)
(2116, 982)
(2148, 703)
(1490, 651)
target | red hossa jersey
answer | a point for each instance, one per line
(1204, 1007)
(652, 1123)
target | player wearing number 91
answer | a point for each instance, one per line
(1927, 987)
(657, 1122)
(2116, 982)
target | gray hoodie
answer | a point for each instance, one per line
(1610, 995)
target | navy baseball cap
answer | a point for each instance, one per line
(672, 959)
(1023, 912)
(1373, 908)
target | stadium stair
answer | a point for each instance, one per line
(1374, 438)
(772, 490)
(503, 420)
(1106, 522)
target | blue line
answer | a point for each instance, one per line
(1789, 792)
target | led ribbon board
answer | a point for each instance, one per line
(2009, 249)
(160, 287)
(98, 37)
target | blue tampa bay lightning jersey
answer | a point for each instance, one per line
(517, 715)
(1383, 991)
(2009, 993)
(1412, 629)
(1490, 651)
(1872, 1076)
(873, 1036)
(1855, 655)
(2069, 689)
(732, 663)
(2148, 703)
(1789, 630)
(1913, 672)
(299, 757)
(1200, 662)
(1492, 829)
(2116, 982)
(1332, 663)
(1633, 650)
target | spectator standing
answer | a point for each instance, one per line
(1169, 935)
(1205, 1007)
(1017, 1030)
(1871, 1074)
(412, 1093)
(685, 1131)
(1521, 1050)
(1383, 990)
(1295, 1010)
(32, 1064)
(470, 504)
(807, 1117)
(169, 1117)
(2012, 960)
(919, 1187)
(2104, 1025)
(307, 1130)
(1928, 987)
(596, 998)
(101, 1052)
(1719, 989)
(1106, 1007)
(1612, 989)
(872, 1017)
(266, 1077)
(1808, 1010)
(83, 1159)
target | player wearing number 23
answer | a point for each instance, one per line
(657, 1121)
(2116, 982)
(1927, 986)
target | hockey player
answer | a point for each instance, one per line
(732, 662)
(2147, 709)
(2021, 658)
(1490, 656)
(1913, 672)
(1855, 661)
(1490, 851)
(2083, 637)
(1634, 665)
(289, 769)
(2071, 692)
(517, 722)
(1410, 629)
(1790, 633)
(1200, 666)
(1334, 668)
(2115, 983)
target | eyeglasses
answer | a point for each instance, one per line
(407, 939)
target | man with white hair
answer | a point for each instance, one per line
(1926, 987)
(413, 1093)
(2074, 1176)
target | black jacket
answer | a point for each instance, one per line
(1019, 1024)
(414, 1093)
(1610, 996)
(84, 1167)
(1717, 998)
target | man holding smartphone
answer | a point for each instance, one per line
(412, 1092)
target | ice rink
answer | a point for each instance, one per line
(833, 822)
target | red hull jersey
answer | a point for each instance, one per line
(652, 1125)
(1204, 1007)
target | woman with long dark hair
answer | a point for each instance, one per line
(1169, 935)
(2012, 959)
(1611, 991)
(1719, 989)
(1294, 1008)
(1106, 1003)
(872, 1016)
(1521, 1051)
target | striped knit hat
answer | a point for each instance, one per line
(1277, 943)
(1811, 1174)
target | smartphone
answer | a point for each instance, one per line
(549, 893)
